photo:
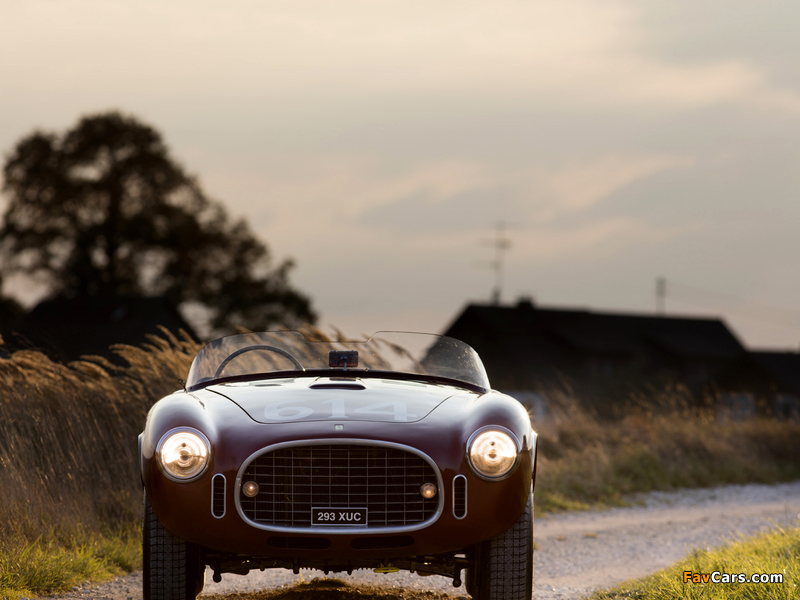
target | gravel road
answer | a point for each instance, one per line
(576, 554)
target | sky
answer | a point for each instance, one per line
(379, 143)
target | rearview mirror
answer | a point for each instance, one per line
(343, 359)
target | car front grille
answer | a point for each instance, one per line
(294, 479)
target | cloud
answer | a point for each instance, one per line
(576, 53)
(538, 195)
(579, 185)
(592, 242)
(421, 213)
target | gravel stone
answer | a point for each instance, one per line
(576, 553)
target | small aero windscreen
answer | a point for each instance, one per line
(273, 352)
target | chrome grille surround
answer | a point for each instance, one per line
(460, 497)
(306, 526)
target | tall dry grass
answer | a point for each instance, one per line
(68, 436)
(657, 443)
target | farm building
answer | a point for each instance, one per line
(606, 358)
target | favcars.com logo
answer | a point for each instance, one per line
(717, 577)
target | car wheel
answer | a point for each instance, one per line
(173, 569)
(503, 566)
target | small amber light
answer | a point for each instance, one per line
(428, 490)
(250, 489)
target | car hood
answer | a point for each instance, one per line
(335, 399)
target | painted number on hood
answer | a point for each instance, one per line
(292, 410)
(279, 411)
(397, 409)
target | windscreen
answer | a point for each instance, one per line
(273, 352)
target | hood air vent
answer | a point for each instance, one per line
(338, 385)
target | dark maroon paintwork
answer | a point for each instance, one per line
(442, 434)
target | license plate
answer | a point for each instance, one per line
(354, 517)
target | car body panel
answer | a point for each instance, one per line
(234, 417)
(327, 399)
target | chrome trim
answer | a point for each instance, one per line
(466, 496)
(160, 446)
(502, 429)
(224, 496)
(340, 530)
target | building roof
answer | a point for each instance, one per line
(605, 332)
(517, 339)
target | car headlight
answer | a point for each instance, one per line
(493, 453)
(183, 453)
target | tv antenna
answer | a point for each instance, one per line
(500, 243)
(661, 296)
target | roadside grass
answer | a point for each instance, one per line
(775, 552)
(587, 462)
(71, 495)
(53, 562)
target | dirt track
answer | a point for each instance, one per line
(576, 552)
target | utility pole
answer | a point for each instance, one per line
(661, 296)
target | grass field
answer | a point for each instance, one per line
(776, 553)
(587, 462)
(71, 495)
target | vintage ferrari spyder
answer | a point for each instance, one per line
(287, 451)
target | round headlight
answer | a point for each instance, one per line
(183, 454)
(493, 453)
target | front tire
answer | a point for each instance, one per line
(503, 566)
(173, 569)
